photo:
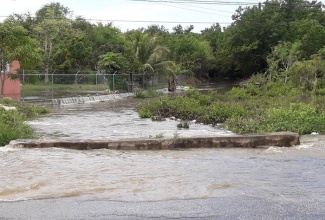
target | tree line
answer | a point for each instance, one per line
(282, 40)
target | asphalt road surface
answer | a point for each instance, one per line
(211, 208)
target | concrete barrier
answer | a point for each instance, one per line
(280, 139)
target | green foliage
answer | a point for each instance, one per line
(112, 62)
(118, 82)
(298, 117)
(219, 112)
(242, 114)
(191, 53)
(184, 125)
(12, 127)
(25, 110)
(259, 86)
(311, 35)
(12, 123)
(201, 99)
(238, 93)
(320, 91)
(278, 38)
(148, 109)
(193, 105)
(144, 94)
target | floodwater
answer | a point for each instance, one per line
(290, 182)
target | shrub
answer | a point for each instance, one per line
(298, 117)
(144, 94)
(238, 93)
(29, 111)
(12, 123)
(251, 115)
(12, 127)
(219, 112)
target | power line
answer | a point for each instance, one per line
(131, 21)
(199, 2)
(210, 9)
(191, 9)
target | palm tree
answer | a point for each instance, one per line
(158, 62)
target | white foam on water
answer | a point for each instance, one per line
(303, 146)
(273, 150)
(44, 123)
(86, 99)
(7, 148)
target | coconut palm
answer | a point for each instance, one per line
(158, 62)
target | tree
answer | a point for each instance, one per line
(212, 35)
(55, 35)
(139, 47)
(154, 30)
(311, 34)
(15, 44)
(282, 58)
(192, 54)
(258, 29)
(102, 39)
(180, 30)
(112, 62)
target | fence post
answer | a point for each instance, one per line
(23, 85)
(52, 84)
(96, 83)
(114, 81)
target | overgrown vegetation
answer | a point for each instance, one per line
(245, 110)
(143, 94)
(12, 122)
(283, 39)
(66, 89)
(278, 45)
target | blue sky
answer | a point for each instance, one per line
(126, 10)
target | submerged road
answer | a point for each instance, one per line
(242, 207)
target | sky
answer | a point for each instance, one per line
(125, 14)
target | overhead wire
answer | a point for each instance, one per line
(200, 2)
(167, 2)
(192, 9)
(135, 21)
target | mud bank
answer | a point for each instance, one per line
(279, 139)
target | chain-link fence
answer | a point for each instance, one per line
(42, 87)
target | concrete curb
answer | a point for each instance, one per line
(279, 139)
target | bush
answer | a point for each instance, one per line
(193, 105)
(12, 127)
(251, 115)
(12, 123)
(298, 117)
(238, 93)
(219, 112)
(320, 92)
(29, 111)
(144, 94)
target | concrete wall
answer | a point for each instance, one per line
(280, 139)
(11, 87)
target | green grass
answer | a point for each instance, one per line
(144, 94)
(32, 89)
(12, 123)
(243, 113)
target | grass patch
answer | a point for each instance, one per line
(241, 112)
(144, 94)
(32, 89)
(12, 123)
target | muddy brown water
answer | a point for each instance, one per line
(295, 175)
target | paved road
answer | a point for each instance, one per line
(212, 208)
